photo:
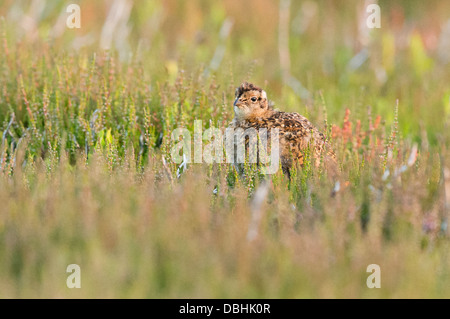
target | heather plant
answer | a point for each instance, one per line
(87, 175)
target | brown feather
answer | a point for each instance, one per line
(297, 133)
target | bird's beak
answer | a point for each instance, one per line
(237, 104)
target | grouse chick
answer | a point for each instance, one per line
(296, 133)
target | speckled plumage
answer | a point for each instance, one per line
(297, 133)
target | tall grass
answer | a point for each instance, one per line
(86, 175)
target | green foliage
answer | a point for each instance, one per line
(86, 174)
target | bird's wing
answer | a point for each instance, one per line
(299, 129)
(297, 126)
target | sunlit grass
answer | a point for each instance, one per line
(86, 175)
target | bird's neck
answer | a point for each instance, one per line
(257, 116)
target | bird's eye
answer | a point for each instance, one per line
(254, 99)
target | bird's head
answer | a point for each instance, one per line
(250, 102)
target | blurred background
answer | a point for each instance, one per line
(296, 50)
(86, 117)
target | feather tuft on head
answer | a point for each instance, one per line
(245, 87)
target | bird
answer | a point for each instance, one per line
(297, 134)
